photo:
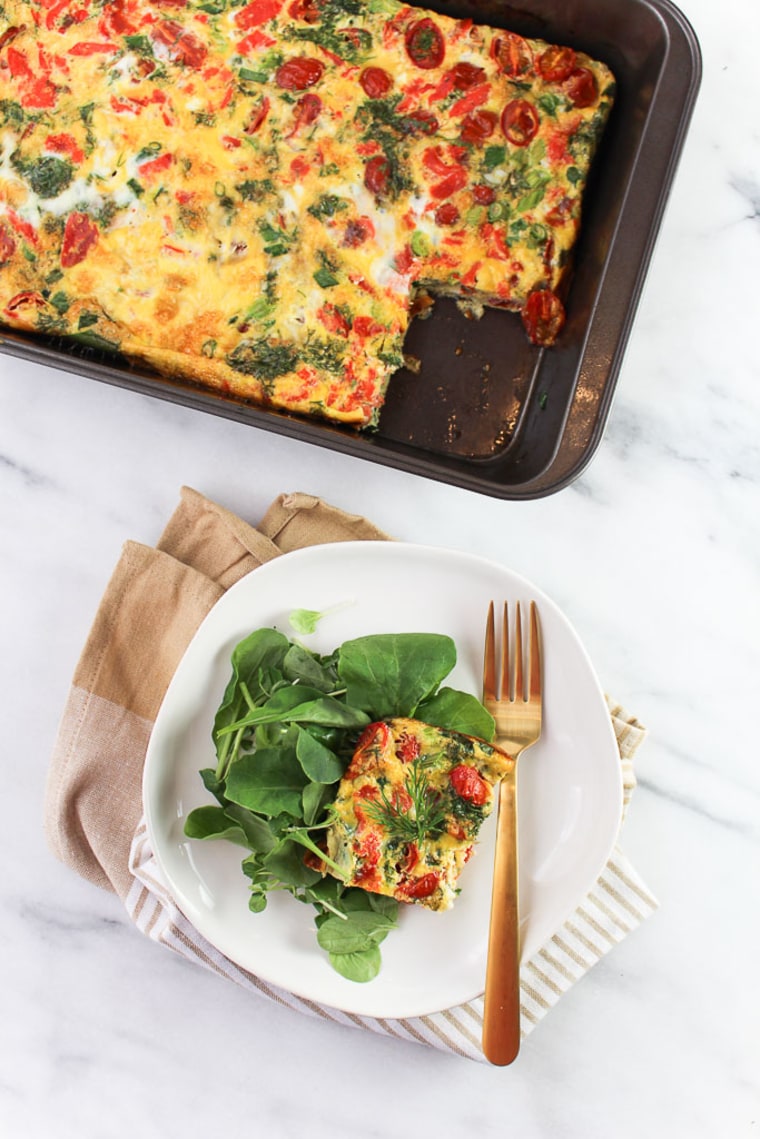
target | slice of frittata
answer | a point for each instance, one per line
(409, 809)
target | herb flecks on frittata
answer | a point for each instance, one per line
(170, 161)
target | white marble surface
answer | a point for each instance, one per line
(654, 554)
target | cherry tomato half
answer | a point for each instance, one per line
(466, 75)
(581, 88)
(425, 44)
(419, 122)
(375, 82)
(483, 195)
(7, 245)
(556, 64)
(519, 121)
(446, 214)
(310, 11)
(469, 784)
(299, 73)
(377, 175)
(421, 887)
(79, 235)
(478, 126)
(357, 231)
(307, 109)
(543, 316)
(512, 54)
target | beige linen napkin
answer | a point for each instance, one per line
(153, 604)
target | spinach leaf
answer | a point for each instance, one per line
(253, 659)
(390, 674)
(213, 822)
(360, 967)
(360, 931)
(457, 712)
(319, 763)
(270, 781)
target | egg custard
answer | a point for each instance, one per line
(257, 197)
(409, 809)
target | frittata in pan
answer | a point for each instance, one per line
(257, 196)
(409, 809)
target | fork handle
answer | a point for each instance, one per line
(501, 1010)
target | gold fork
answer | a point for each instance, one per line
(517, 713)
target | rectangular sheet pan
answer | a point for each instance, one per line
(489, 411)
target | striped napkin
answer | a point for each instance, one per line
(153, 604)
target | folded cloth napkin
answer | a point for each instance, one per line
(153, 604)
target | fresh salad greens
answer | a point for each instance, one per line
(284, 734)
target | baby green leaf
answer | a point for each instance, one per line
(389, 674)
(212, 822)
(457, 712)
(270, 781)
(360, 931)
(360, 967)
(319, 762)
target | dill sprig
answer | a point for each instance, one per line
(425, 815)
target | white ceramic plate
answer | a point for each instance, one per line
(569, 784)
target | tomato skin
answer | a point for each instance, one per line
(92, 48)
(310, 11)
(299, 73)
(65, 144)
(375, 82)
(466, 75)
(307, 109)
(25, 298)
(446, 214)
(184, 47)
(519, 122)
(408, 748)
(156, 165)
(377, 175)
(79, 235)
(478, 126)
(483, 195)
(512, 54)
(425, 44)
(258, 115)
(556, 64)
(543, 317)
(7, 245)
(378, 732)
(449, 185)
(469, 784)
(357, 231)
(421, 887)
(256, 13)
(420, 122)
(365, 326)
(581, 89)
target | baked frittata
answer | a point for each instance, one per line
(409, 809)
(259, 196)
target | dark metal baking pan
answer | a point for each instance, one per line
(488, 411)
